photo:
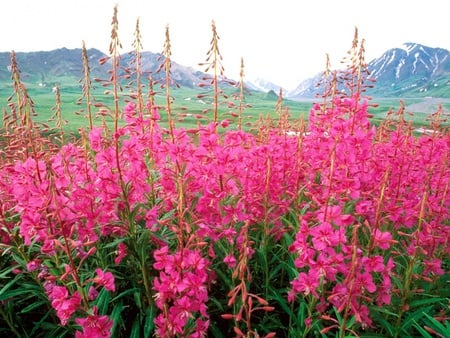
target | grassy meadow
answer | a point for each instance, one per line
(187, 106)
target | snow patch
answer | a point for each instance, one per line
(416, 58)
(398, 68)
(408, 47)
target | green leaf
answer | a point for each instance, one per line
(135, 329)
(424, 332)
(225, 279)
(277, 296)
(11, 294)
(149, 325)
(338, 315)
(412, 317)
(424, 302)
(385, 311)
(102, 301)
(33, 306)
(8, 271)
(386, 325)
(137, 299)
(3, 291)
(116, 317)
(124, 294)
(350, 322)
(437, 326)
(113, 244)
(143, 242)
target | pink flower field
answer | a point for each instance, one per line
(330, 227)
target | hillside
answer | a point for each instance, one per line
(65, 66)
(47, 67)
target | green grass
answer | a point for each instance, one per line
(186, 106)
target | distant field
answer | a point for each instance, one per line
(186, 106)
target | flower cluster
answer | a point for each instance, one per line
(181, 293)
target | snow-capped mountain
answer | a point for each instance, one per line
(264, 86)
(410, 59)
(410, 69)
(307, 88)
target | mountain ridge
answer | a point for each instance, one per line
(411, 69)
(45, 68)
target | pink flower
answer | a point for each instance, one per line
(374, 264)
(151, 218)
(225, 123)
(382, 239)
(308, 322)
(92, 293)
(334, 215)
(129, 112)
(230, 261)
(95, 138)
(365, 281)
(33, 265)
(307, 283)
(362, 315)
(433, 266)
(94, 326)
(121, 253)
(64, 305)
(324, 236)
(106, 279)
(384, 292)
(163, 260)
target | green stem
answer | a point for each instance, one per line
(409, 270)
(148, 293)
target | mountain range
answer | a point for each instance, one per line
(410, 70)
(46, 68)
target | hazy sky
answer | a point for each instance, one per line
(284, 41)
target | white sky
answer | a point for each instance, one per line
(284, 41)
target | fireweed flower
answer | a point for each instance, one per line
(95, 138)
(324, 235)
(180, 288)
(121, 253)
(433, 267)
(94, 326)
(64, 304)
(151, 218)
(105, 279)
(306, 283)
(92, 293)
(383, 239)
(374, 263)
(230, 261)
(33, 265)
